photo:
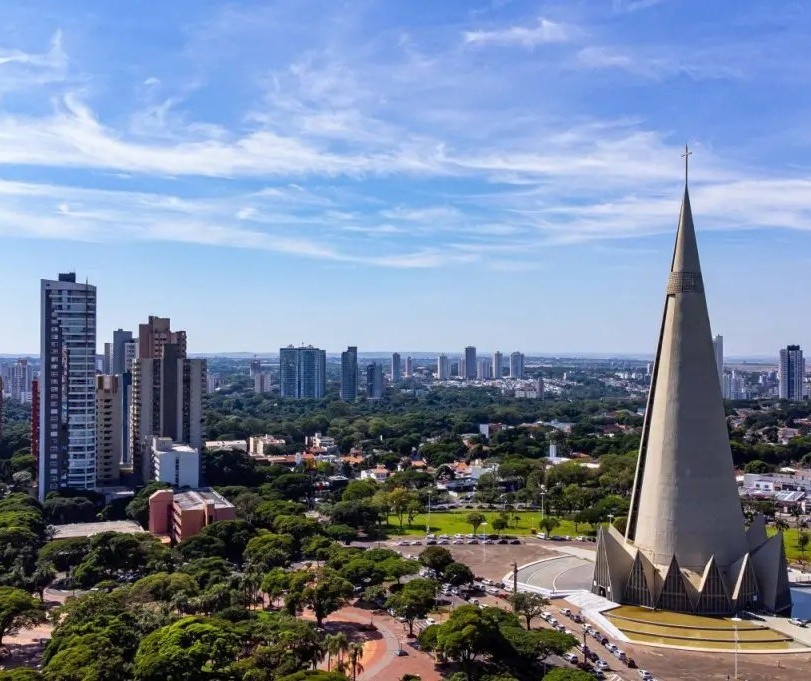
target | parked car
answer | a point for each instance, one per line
(515, 541)
(601, 664)
(570, 657)
(798, 622)
(645, 675)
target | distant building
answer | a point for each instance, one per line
(17, 380)
(109, 430)
(734, 386)
(517, 365)
(302, 372)
(257, 444)
(396, 370)
(470, 362)
(262, 383)
(349, 374)
(791, 373)
(256, 367)
(498, 364)
(119, 361)
(219, 445)
(443, 368)
(718, 349)
(67, 456)
(378, 474)
(180, 515)
(484, 369)
(374, 381)
(409, 367)
(156, 333)
(130, 354)
(177, 464)
(107, 359)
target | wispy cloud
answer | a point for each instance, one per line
(545, 31)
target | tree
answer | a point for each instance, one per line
(413, 601)
(528, 605)
(436, 558)
(324, 590)
(355, 656)
(802, 543)
(186, 650)
(499, 523)
(163, 587)
(549, 524)
(336, 645)
(17, 611)
(758, 466)
(400, 500)
(458, 574)
(397, 568)
(475, 519)
(363, 572)
(44, 574)
(342, 533)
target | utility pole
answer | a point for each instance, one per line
(515, 578)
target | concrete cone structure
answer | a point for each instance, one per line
(686, 547)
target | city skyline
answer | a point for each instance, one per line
(417, 157)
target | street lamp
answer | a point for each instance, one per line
(428, 522)
(543, 498)
(735, 621)
(484, 546)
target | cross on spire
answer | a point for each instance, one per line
(686, 156)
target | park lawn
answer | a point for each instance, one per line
(453, 522)
(790, 542)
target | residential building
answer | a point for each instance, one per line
(262, 382)
(17, 380)
(107, 359)
(302, 372)
(443, 368)
(109, 430)
(35, 415)
(180, 515)
(257, 444)
(718, 350)
(1, 407)
(734, 386)
(256, 367)
(167, 401)
(374, 381)
(791, 373)
(349, 374)
(396, 370)
(120, 340)
(470, 366)
(130, 354)
(517, 365)
(379, 474)
(498, 365)
(484, 368)
(156, 333)
(67, 456)
(409, 367)
(686, 547)
(219, 445)
(177, 464)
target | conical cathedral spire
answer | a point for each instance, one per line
(685, 510)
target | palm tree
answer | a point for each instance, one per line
(781, 524)
(355, 655)
(337, 645)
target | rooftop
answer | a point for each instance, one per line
(73, 530)
(198, 497)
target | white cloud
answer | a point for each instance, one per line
(546, 31)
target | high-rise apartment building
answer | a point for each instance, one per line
(256, 367)
(396, 370)
(167, 394)
(109, 430)
(718, 349)
(484, 369)
(470, 362)
(262, 383)
(67, 456)
(302, 372)
(130, 354)
(498, 365)
(349, 374)
(734, 386)
(107, 359)
(409, 367)
(17, 380)
(517, 365)
(120, 340)
(443, 368)
(374, 381)
(156, 333)
(791, 373)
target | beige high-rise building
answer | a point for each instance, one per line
(686, 547)
(109, 431)
(167, 401)
(156, 333)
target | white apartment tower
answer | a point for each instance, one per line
(67, 450)
(443, 368)
(498, 365)
(517, 365)
(718, 348)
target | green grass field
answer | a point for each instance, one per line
(790, 542)
(453, 522)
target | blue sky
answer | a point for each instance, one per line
(406, 175)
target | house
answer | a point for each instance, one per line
(378, 474)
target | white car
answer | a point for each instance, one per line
(602, 665)
(798, 622)
(430, 620)
(645, 675)
(570, 657)
(611, 647)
